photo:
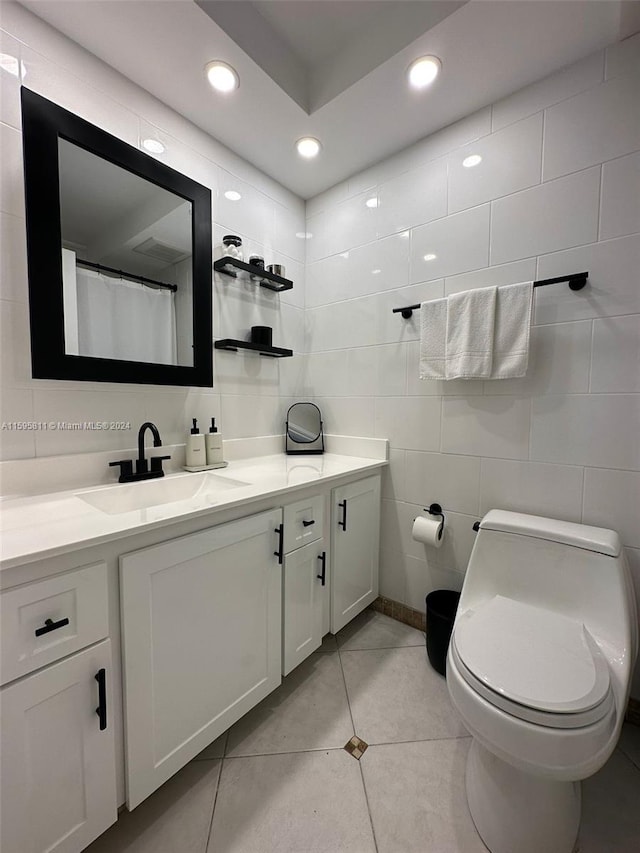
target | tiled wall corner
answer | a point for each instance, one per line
(250, 394)
(557, 191)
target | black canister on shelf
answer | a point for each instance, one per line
(262, 335)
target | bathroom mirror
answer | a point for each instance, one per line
(119, 256)
(304, 429)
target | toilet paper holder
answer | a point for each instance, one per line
(436, 509)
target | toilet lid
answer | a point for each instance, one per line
(533, 657)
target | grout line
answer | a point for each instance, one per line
(215, 801)
(288, 752)
(591, 343)
(600, 202)
(388, 648)
(364, 787)
(419, 740)
(582, 493)
(366, 799)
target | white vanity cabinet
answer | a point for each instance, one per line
(355, 534)
(201, 622)
(58, 779)
(304, 580)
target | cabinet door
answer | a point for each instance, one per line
(201, 619)
(305, 574)
(58, 785)
(355, 534)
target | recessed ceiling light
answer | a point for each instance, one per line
(430, 257)
(232, 195)
(372, 202)
(422, 72)
(308, 147)
(154, 146)
(222, 76)
(304, 235)
(375, 272)
(471, 160)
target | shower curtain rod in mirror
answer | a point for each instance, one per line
(141, 278)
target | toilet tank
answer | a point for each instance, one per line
(572, 569)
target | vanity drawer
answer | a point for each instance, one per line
(303, 522)
(44, 621)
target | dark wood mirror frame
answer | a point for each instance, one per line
(43, 123)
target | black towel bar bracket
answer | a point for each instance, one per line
(576, 281)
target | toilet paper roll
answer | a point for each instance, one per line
(428, 530)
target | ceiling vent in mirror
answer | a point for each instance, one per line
(161, 251)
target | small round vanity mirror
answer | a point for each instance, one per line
(304, 427)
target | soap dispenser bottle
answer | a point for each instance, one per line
(213, 443)
(195, 450)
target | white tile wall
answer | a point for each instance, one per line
(249, 396)
(548, 217)
(597, 125)
(557, 192)
(413, 198)
(612, 499)
(620, 203)
(615, 357)
(511, 161)
(587, 429)
(450, 245)
(557, 87)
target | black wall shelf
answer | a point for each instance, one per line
(249, 272)
(270, 352)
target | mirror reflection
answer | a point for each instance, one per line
(127, 261)
(304, 429)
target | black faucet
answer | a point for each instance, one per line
(144, 471)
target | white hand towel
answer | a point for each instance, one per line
(470, 329)
(512, 331)
(433, 329)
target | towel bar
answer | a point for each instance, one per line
(576, 282)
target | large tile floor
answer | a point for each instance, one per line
(280, 781)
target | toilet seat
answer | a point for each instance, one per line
(533, 663)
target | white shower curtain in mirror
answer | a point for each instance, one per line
(124, 319)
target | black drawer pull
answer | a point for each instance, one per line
(343, 523)
(101, 710)
(308, 523)
(50, 625)
(280, 552)
(323, 559)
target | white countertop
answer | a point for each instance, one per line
(41, 526)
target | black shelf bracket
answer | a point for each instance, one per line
(250, 272)
(576, 281)
(232, 345)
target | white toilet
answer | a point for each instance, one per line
(539, 668)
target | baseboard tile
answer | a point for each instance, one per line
(400, 612)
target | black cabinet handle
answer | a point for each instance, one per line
(343, 523)
(323, 559)
(50, 625)
(308, 523)
(280, 552)
(101, 710)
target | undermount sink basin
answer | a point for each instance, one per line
(203, 489)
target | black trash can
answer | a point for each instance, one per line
(441, 613)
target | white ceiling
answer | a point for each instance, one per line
(315, 49)
(488, 48)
